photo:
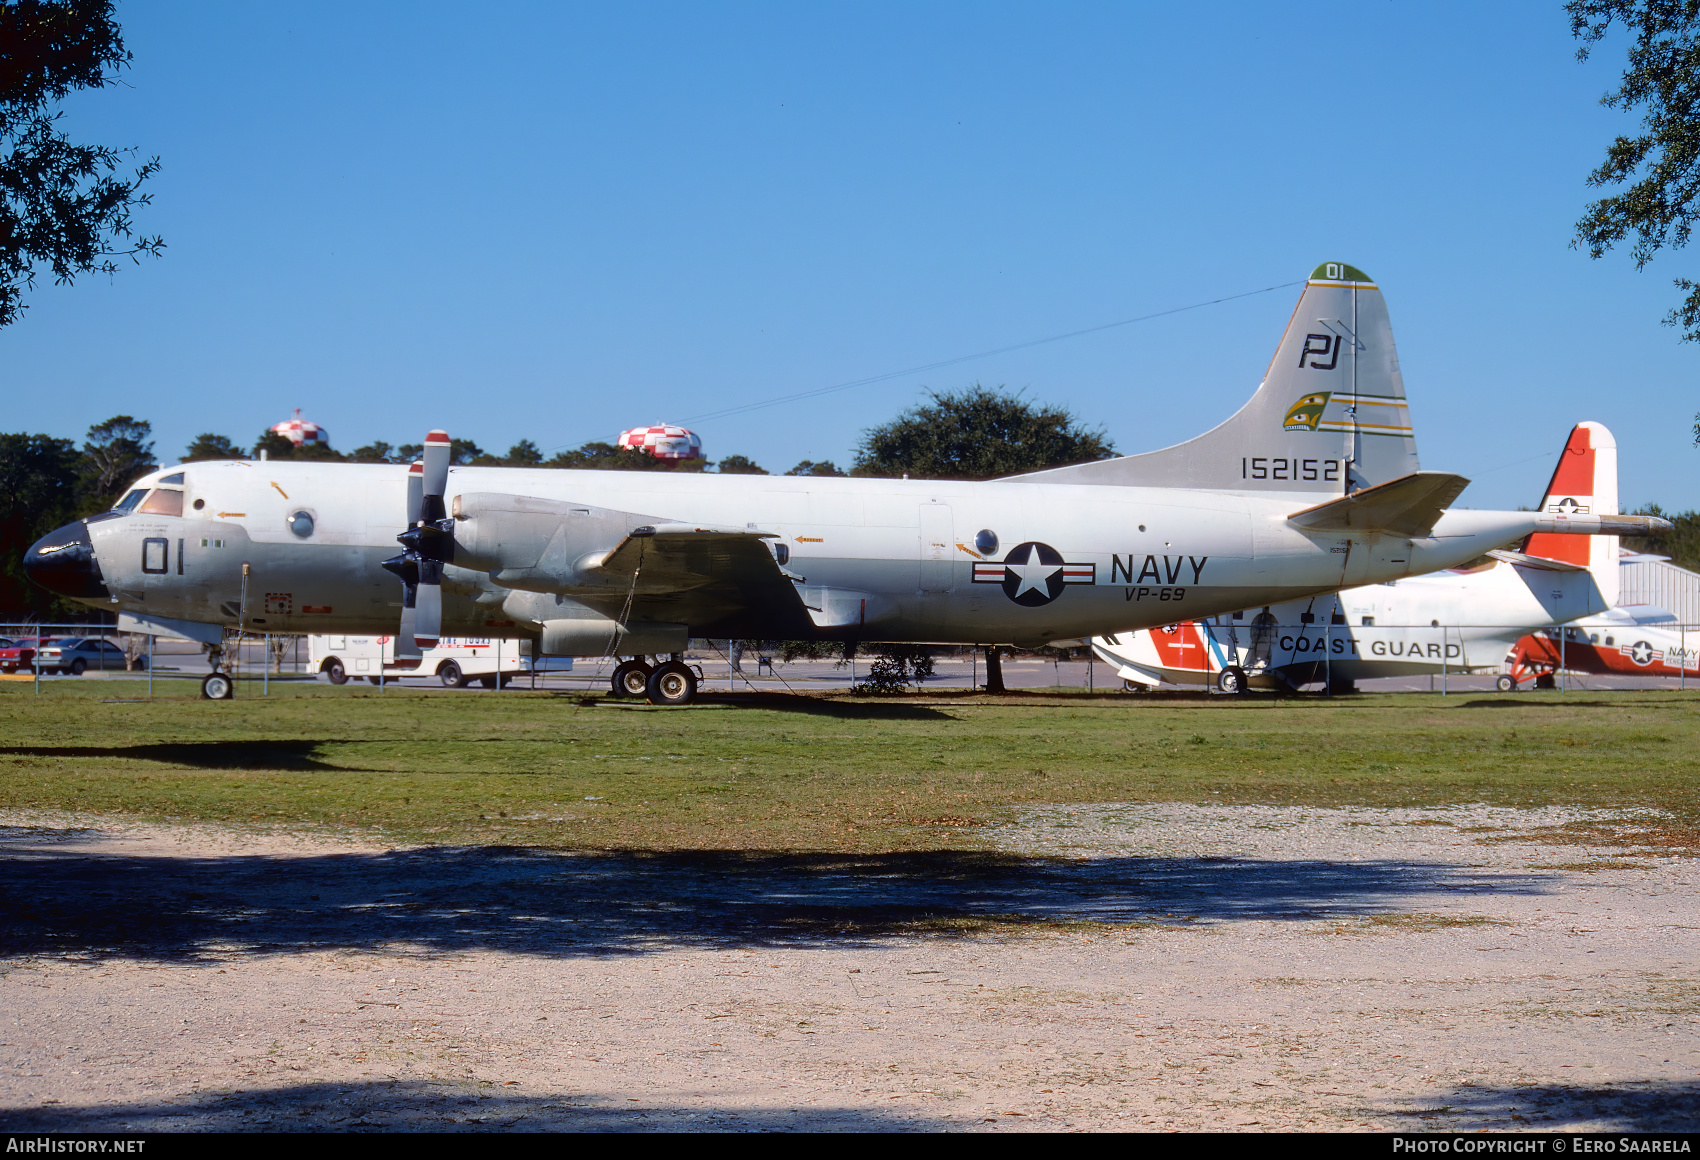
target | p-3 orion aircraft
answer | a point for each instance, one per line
(1313, 486)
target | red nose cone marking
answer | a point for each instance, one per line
(416, 469)
(437, 437)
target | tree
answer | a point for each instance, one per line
(1662, 165)
(597, 456)
(461, 452)
(376, 451)
(1682, 545)
(38, 492)
(740, 465)
(211, 446)
(977, 433)
(271, 445)
(524, 454)
(62, 205)
(810, 467)
(117, 451)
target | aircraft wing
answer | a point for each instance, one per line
(655, 570)
(1408, 506)
(700, 575)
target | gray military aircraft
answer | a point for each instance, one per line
(1313, 486)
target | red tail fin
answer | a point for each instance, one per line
(1583, 483)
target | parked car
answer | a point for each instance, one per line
(75, 655)
(17, 654)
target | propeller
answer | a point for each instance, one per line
(429, 540)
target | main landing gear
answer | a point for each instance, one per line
(631, 679)
(670, 683)
(1232, 680)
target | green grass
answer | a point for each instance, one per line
(814, 772)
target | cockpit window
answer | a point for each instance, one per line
(175, 477)
(161, 502)
(129, 502)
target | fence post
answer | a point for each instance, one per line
(150, 663)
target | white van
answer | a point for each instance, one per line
(457, 661)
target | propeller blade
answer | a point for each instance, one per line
(406, 642)
(436, 476)
(406, 569)
(428, 621)
(429, 540)
(415, 492)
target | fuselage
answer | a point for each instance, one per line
(1619, 642)
(290, 546)
(1450, 621)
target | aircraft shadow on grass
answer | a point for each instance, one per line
(263, 755)
(57, 899)
(414, 1106)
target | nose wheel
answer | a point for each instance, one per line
(217, 687)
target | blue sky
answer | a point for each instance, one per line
(554, 221)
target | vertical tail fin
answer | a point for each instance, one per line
(1328, 419)
(1584, 483)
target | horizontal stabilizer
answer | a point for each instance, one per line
(1541, 563)
(1408, 506)
(1607, 525)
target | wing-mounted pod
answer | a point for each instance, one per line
(626, 566)
(539, 545)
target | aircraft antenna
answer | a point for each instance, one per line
(949, 362)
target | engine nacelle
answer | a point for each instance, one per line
(537, 545)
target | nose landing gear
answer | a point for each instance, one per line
(217, 685)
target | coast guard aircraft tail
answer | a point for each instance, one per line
(1328, 420)
(1583, 484)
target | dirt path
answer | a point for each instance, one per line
(1117, 967)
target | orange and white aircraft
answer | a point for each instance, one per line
(1631, 640)
(1459, 620)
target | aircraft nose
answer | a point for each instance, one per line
(63, 562)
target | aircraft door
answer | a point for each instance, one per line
(1262, 642)
(937, 546)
